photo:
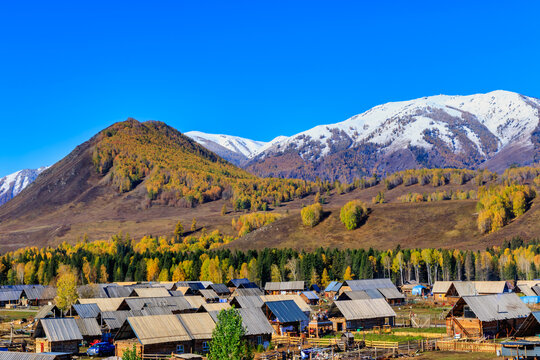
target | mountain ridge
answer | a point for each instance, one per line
(438, 131)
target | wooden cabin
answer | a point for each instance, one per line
(439, 291)
(200, 327)
(57, 335)
(309, 297)
(489, 316)
(153, 335)
(10, 297)
(332, 290)
(360, 314)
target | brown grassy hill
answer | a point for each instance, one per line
(142, 178)
(117, 181)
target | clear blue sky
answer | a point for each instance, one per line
(256, 69)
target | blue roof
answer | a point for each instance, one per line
(333, 286)
(286, 311)
(419, 287)
(237, 282)
(310, 295)
(530, 299)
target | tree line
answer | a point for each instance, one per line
(124, 259)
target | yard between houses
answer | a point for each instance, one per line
(16, 314)
(445, 355)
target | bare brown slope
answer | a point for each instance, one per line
(443, 224)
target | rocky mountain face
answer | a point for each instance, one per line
(492, 130)
(11, 185)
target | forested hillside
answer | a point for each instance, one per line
(152, 259)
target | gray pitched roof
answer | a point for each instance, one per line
(362, 309)
(10, 295)
(156, 329)
(220, 288)
(175, 303)
(495, 307)
(16, 355)
(118, 291)
(60, 329)
(391, 293)
(254, 321)
(88, 327)
(47, 311)
(209, 294)
(285, 286)
(115, 319)
(248, 301)
(85, 310)
(248, 292)
(366, 284)
(354, 295)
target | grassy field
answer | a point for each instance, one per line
(15, 314)
(443, 355)
(431, 330)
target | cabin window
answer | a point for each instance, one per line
(349, 325)
(259, 340)
(467, 312)
(205, 346)
(180, 349)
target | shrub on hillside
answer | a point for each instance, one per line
(312, 214)
(353, 213)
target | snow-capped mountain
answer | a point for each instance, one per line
(232, 148)
(11, 185)
(494, 130)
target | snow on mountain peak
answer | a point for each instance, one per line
(395, 125)
(236, 144)
(11, 185)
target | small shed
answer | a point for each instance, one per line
(331, 291)
(439, 291)
(57, 335)
(309, 297)
(285, 316)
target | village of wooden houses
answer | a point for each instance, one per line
(354, 319)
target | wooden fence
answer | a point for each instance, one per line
(465, 346)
